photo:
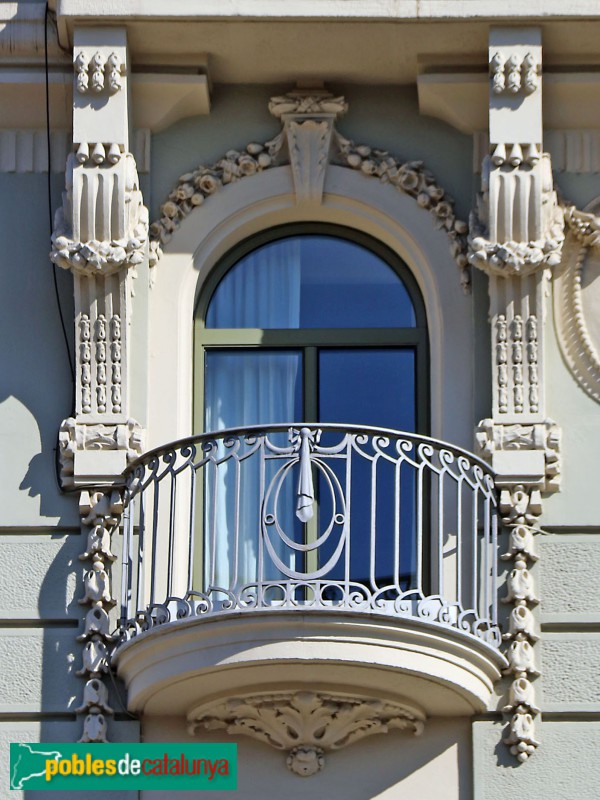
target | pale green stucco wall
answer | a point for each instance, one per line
(40, 574)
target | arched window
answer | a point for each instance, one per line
(314, 324)
(311, 324)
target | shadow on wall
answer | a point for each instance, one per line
(35, 386)
(434, 766)
(58, 658)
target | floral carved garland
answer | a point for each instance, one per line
(411, 178)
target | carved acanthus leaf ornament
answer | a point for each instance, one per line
(307, 724)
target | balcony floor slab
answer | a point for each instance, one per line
(180, 665)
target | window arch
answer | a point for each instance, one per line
(311, 322)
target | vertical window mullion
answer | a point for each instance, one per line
(311, 384)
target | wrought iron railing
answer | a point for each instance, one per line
(344, 518)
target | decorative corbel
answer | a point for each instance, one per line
(516, 237)
(307, 724)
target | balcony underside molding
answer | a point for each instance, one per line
(189, 663)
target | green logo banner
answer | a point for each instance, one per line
(106, 767)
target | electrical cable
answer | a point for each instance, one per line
(57, 464)
(50, 216)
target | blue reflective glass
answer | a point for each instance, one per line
(368, 386)
(311, 281)
(372, 386)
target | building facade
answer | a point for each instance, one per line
(363, 240)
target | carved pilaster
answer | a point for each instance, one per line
(307, 724)
(101, 235)
(516, 237)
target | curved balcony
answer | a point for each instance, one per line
(342, 558)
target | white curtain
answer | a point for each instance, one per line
(249, 387)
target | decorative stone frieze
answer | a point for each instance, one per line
(100, 514)
(577, 298)
(307, 724)
(101, 235)
(309, 142)
(26, 150)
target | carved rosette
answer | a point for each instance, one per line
(100, 515)
(306, 724)
(309, 142)
(521, 507)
